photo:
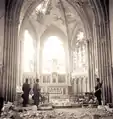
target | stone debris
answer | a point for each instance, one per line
(7, 107)
(45, 106)
(109, 109)
(75, 100)
(10, 111)
(101, 108)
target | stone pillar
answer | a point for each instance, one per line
(20, 59)
(99, 53)
(89, 67)
(109, 62)
(77, 85)
(2, 20)
(10, 59)
(82, 90)
(104, 60)
(9, 74)
(91, 64)
(38, 56)
(41, 59)
(86, 81)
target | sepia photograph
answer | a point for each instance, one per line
(56, 59)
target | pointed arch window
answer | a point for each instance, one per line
(53, 56)
(79, 54)
(28, 53)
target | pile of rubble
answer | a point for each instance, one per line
(87, 98)
(76, 101)
(14, 112)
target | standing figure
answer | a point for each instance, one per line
(98, 88)
(1, 104)
(36, 91)
(26, 89)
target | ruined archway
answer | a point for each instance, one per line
(98, 41)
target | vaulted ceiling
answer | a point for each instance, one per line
(56, 13)
(24, 8)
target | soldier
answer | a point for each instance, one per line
(36, 91)
(98, 88)
(1, 104)
(26, 89)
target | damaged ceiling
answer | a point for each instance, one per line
(56, 13)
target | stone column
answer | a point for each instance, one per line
(2, 20)
(86, 81)
(109, 62)
(10, 60)
(77, 85)
(9, 74)
(82, 85)
(91, 64)
(99, 52)
(20, 59)
(89, 67)
(104, 60)
(38, 57)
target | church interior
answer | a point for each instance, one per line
(66, 44)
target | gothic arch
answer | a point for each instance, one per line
(53, 30)
(18, 11)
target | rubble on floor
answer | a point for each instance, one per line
(87, 102)
(79, 100)
(10, 111)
